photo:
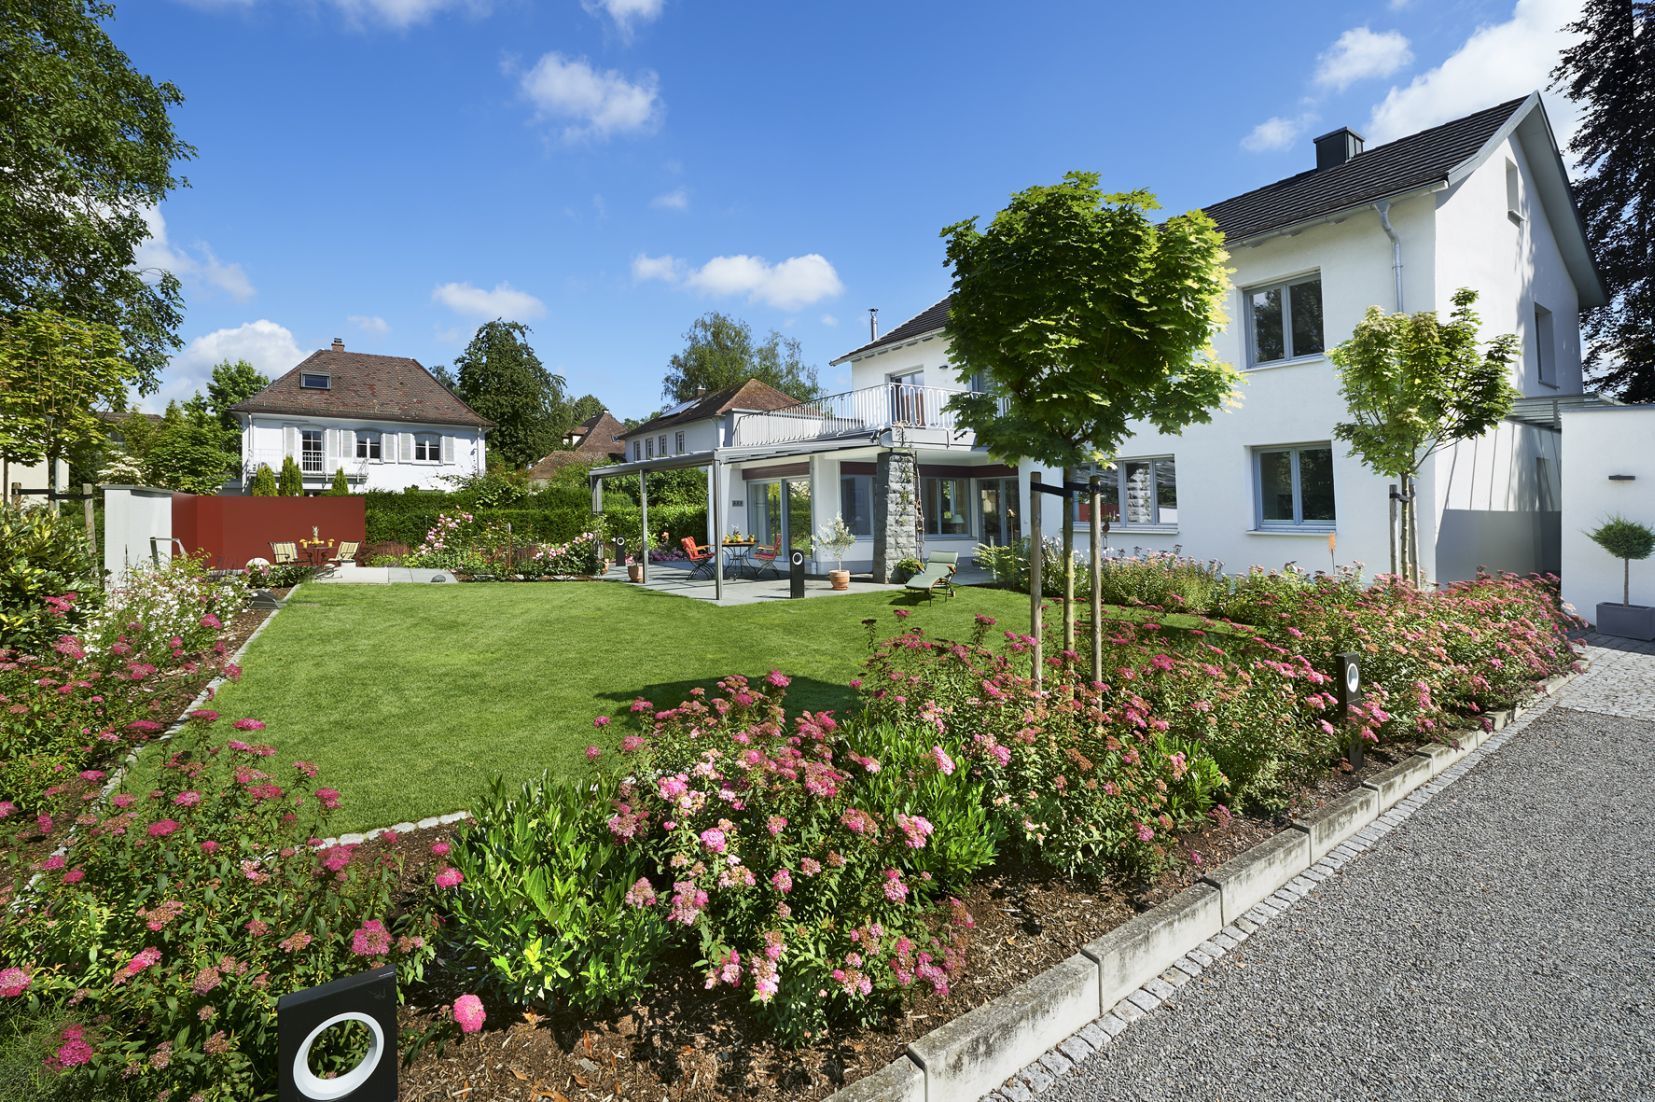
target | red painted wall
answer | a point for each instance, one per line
(231, 530)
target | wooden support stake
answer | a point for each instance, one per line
(1096, 489)
(1037, 553)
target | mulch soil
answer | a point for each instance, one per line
(690, 1045)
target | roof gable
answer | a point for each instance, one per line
(383, 388)
(750, 395)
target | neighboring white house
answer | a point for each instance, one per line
(1481, 202)
(384, 420)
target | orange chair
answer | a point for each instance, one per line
(700, 556)
(766, 558)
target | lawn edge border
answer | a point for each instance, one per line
(1018, 1029)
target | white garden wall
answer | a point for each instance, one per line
(1602, 442)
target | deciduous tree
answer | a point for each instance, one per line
(501, 378)
(87, 152)
(719, 351)
(1413, 384)
(1610, 73)
(55, 372)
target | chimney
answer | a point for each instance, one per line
(1336, 147)
(338, 345)
(873, 323)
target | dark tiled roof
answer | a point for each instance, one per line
(385, 388)
(600, 440)
(751, 395)
(1390, 169)
(932, 318)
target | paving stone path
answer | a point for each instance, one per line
(1496, 941)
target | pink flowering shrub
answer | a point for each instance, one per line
(174, 919)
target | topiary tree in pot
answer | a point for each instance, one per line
(836, 538)
(1626, 540)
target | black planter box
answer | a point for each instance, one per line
(1627, 621)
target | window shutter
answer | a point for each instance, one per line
(447, 448)
(405, 446)
(290, 441)
(347, 446)
(388, 447)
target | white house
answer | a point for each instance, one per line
(1481, 202)
(384, 420)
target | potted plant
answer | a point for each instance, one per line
(837, 538)
(1626, 540)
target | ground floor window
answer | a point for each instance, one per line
(780, 510)
(310, 450)
(1294, 486)
(997, 506)
(856, 503)
(946, 504)
(1136, 493)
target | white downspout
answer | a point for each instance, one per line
(1384, 209)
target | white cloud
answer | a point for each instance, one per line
(1499, 61)
(626, 14)
(157, 254)
(593, 104)
(829, 320)
(676, 199)
(370, 323)
(1275, 133)
(788, 285)
(505, 301)
(663, 268)
(402, 14)
(1360, 54)
(264, 344)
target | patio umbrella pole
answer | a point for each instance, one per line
(643, 520)
(718, 538)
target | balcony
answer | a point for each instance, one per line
(918, 412)
(312, 464)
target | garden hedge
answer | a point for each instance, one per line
(544, 517)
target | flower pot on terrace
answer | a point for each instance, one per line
(1627, 621)
(635, 572)
(840, 579)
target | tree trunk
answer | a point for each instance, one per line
(1068, 570)
(1413, 530)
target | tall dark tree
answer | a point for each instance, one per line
(1610, 72)
(719, 351)
(501, 378)
(584, 408)
(87, 150)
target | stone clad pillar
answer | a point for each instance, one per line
(895, 513)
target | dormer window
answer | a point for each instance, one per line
(315, 380)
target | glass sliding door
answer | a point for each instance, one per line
(798, 534)
(997, 505)
(781, 510)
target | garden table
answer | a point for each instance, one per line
(738, 553)
(319, 552)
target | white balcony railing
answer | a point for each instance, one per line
(853, 413)
(315, 467)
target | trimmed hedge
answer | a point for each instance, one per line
(544, 517)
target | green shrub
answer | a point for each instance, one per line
(47, 575)
(165, 933)
(264, 482)
(908, 567)
(340, 487)
(1165, 580)
(543, 906)
(292, 480)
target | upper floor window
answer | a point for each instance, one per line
(315, 380)
(368, 445)
(1545, 346)
(310, 451)
(1514, 191)
(1294, 486)
(427, 447)
(678, 442)
(1284, 320)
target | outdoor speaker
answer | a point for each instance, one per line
(369, 998)
(1347, 677)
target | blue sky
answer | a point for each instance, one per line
(394, 172)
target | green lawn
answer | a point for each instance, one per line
(410, 698)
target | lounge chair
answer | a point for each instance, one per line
(940, 569)
(346, 552)
(284, 553)
(765, 558)
(700, 556)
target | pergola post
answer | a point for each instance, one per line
(643, 514)
(718, 533)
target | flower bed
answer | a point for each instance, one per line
(479, 550)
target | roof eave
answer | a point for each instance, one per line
(876, 348)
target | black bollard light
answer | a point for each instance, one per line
(368, 998)
(796, 574)
(1347, 689)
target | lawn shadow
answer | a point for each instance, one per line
(803, 694)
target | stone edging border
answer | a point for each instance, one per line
(1078, 1005)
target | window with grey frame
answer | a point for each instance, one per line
(427, 447)
(1284, 320)
(856, 503)
(1137, 493)
(369, 445)
(1545, 346)
(678, 442)
(1293, 487)
(310, 451)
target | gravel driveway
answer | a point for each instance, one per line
(1499, 944)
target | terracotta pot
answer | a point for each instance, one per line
(635, 572)
(840, 579)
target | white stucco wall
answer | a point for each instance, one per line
(132, 516)
(1604, 441)
(1494, 503)
(1511, 265)
(265, 440)
(32, 476)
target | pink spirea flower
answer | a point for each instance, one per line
(73, 1050)
(187, 799)
(600, 722)
(593, 753)
(903, 613)
(782, 881)
(249, 724)
(916, 829)
(329, 797)
(92, 774)
(468, 1012)
(945, 764)
(895, 890)
(440, 849)
(13, 982)
(778, 679)
(371, 939)
(713, 839)
(162, 827)
(641, 893)
(74, 876)
(124, 800)
(449, 877)
(1145, 832)
(140, 960)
